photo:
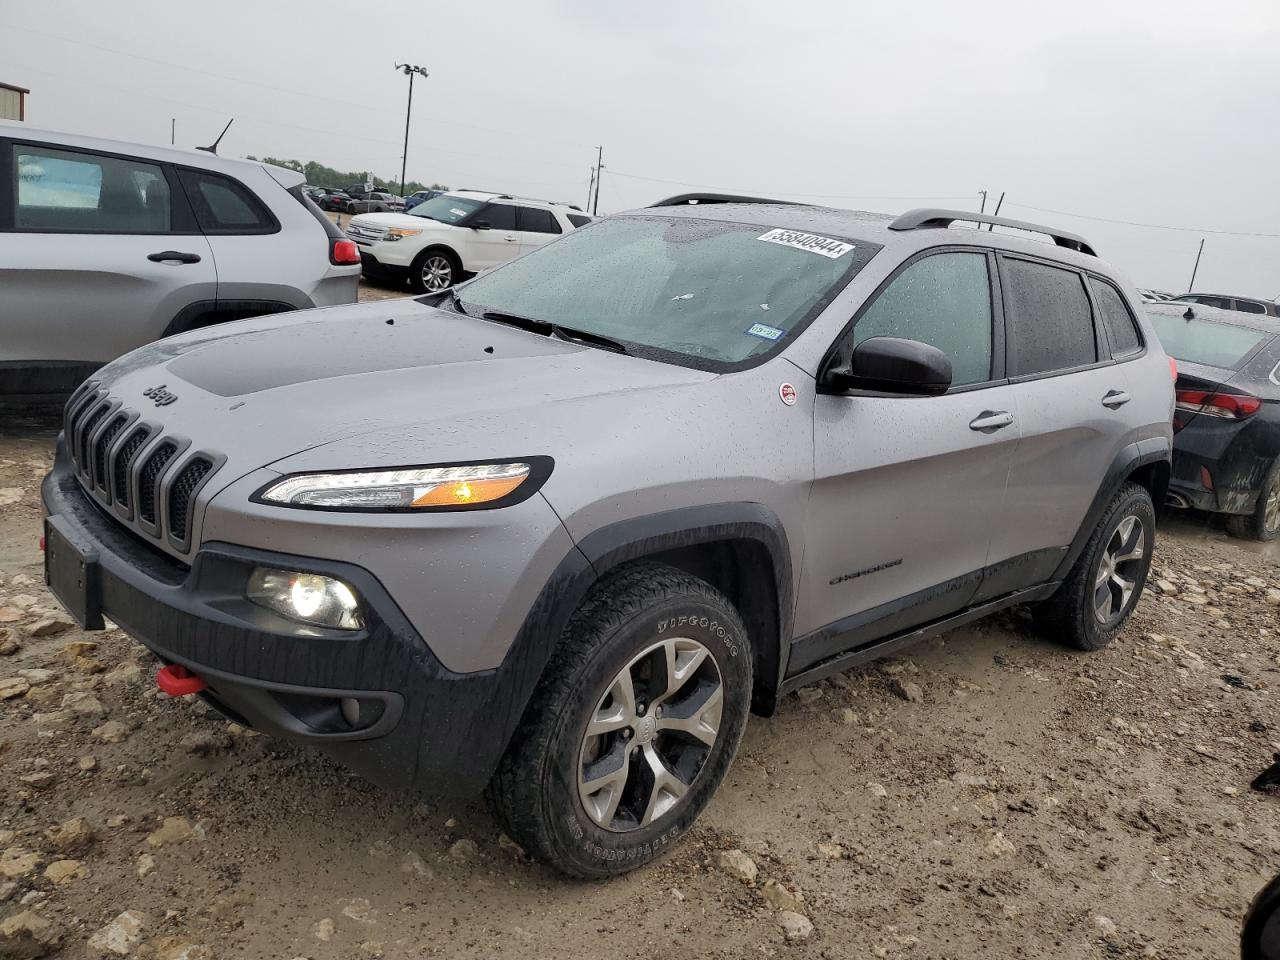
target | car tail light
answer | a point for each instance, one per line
(1229, 406)
(342, 252)
(1173, 369)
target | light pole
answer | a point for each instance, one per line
(409, 70)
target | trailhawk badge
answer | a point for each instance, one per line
(788, 394)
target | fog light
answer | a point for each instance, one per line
(305, 597)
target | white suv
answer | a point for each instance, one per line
(442, 240)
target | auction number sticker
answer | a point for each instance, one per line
(824, 246)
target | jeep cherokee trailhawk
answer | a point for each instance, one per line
(559, 529)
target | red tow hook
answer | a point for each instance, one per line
(178, 681)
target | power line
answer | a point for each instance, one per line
(786, 193)
(1150, 226)
(324, 98)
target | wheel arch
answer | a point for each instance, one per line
(206, 313)
(1144, 462)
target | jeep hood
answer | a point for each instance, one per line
(261, 390)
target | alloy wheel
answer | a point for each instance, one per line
(1118, 570)
(650, 734)
(437, 273)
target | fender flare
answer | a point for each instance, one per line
(235, 310)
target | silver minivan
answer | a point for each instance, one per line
(106, 246)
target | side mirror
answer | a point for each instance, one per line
(890, 365)
(479, 225)
(1260, 939)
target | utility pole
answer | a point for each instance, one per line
(173, 129)
(591, 186)
(1192, 285)
(996, 211)
(983, 208)
(409, 70)
(595, 205)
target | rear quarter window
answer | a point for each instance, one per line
(1121, 329)
(224, 206)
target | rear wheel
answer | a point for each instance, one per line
(1264, 522)
(433, 271)
(633, 727)
(1106, 582)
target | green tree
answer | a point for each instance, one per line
(320, 175)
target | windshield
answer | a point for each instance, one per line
(721, 292)
(445, 208)
(1203, 341)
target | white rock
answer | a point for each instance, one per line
(146, 864)
(795, 926)
(323, 929)
(118, 937)
(998, 845)
(780, 897)
(877, 790)
(738, 865)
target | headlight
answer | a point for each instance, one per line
(306, 597)
(399, 233)
(420, 488)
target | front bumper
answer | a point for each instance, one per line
(420, 724)
(371, 266)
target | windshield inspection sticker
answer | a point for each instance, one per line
(764, 331)
(824, 246)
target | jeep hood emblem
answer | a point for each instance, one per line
(160, 395)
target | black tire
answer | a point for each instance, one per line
(417, 279)
(1264, 523)
(535, 790)
(1070, 616)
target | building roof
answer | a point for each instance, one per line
(10, 86)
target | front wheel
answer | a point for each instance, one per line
(633, 727)
(433, 271)
(1264, 522)
(1106, 582)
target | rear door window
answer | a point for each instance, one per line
(225, 206)
(533, 220)
(943, 300)
(1116, 318)
(1248, 306)
(1050, 320)
(70, 191)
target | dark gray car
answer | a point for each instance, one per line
(559, 529)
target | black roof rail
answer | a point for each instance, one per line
(926, 218)
(688, 199)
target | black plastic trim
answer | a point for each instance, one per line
(691, 199)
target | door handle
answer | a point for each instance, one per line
(1115, 399)
(172, 255)
(989, 420)
(510, 239)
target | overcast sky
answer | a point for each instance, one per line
(1156, 112)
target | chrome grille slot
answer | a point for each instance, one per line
(123, 461)
(180, 494)
(149, 478)
(100, 477)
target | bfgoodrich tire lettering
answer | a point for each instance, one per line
(1105, 584)
(537, 788)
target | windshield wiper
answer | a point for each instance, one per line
(549, 329)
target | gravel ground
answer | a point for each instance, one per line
(986, 795)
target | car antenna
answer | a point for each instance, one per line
(213, 147)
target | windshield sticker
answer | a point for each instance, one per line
(683, 296)
(764, 331)
(823, 246)
(457, 213)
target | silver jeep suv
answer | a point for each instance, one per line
(105, 246)
(558, 530)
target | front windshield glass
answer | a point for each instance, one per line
(720, 292)
(445, 208)
(1203, 341)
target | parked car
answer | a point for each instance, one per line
(375, 202)
(413, 199)
(331, 200)
(461, 232)
(1229, 302)
(105, 246)
(559, 529)
(1226, 443)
